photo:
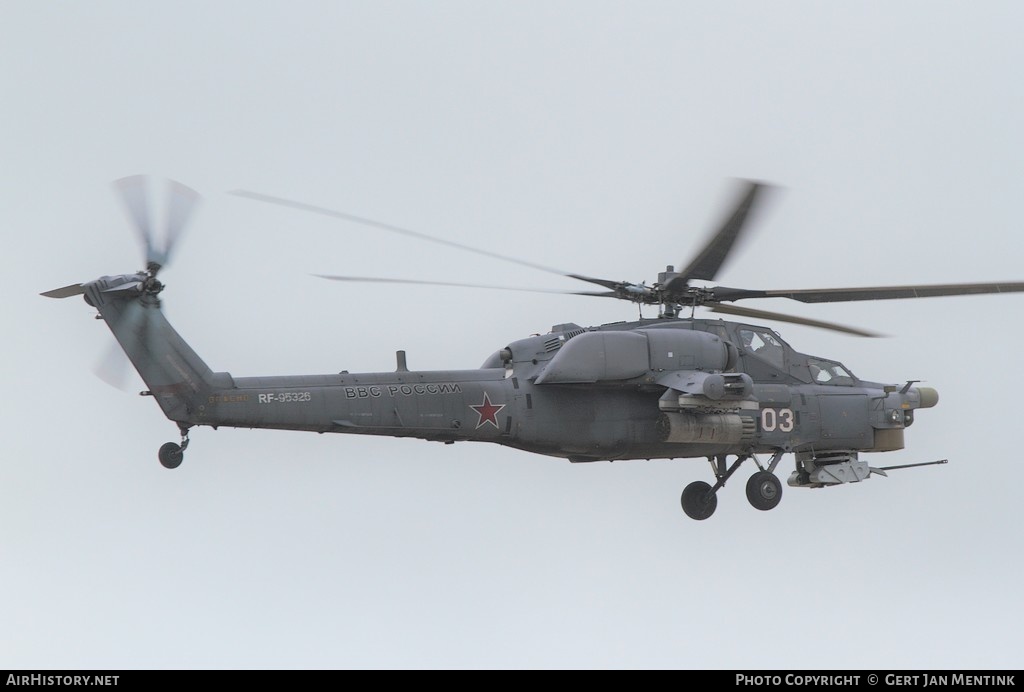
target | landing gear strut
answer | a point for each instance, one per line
(699, 499)
(764, 490)
(171, 454)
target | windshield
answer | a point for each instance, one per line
(829, 372)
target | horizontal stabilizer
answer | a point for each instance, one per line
(65, 292)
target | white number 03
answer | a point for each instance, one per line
(781, 419)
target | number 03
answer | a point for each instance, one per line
(781, 419)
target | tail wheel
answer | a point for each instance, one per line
(764, 490)
(171, 455)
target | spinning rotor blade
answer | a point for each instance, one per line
(779, 317)
(607, 283)
(136, 201)
(367, 279)
(711, 258)
(323, 211)
(389, 227)
(114, 367)
(181, 202)
(842, 295)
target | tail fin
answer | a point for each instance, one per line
(176, 376)
(130, 305)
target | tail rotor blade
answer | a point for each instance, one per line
(182, 201)
(135, 197)
(114, 367)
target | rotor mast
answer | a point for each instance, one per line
(669, 309)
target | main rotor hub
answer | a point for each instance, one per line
(690, 296)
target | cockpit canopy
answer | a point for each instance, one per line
(772, 355)
(765, 344)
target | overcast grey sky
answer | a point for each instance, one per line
(598, 137)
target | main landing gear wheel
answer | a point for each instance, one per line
(764, 490)
(171, 455)
(698, 501)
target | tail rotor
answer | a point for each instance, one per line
(181, 202)
(133, 295)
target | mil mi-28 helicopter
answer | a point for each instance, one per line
(669, 387)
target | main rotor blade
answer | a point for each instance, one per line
(258, 196)
(136, 200)
(607, 283)
(711, 258)
(779, 317)
(368, 279)
(182, 201)
(842, 295)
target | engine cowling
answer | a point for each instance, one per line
(607, 356)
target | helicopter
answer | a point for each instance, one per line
(672, 387)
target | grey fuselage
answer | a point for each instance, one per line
(665, 388)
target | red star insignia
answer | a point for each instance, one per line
(487, 411)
